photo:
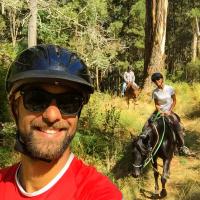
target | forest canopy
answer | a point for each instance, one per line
(108, 34)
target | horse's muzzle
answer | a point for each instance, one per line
(136, 173)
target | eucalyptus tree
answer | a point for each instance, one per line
(15, 15)
(182, 34)
(155, 37)
(195, 15)
(32, 24)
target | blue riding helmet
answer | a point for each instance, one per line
(48, 64)
(156, 76)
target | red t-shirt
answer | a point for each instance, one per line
(78, 182)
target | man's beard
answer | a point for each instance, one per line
(39, 148)
(45, 150)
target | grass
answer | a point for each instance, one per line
(184, 181)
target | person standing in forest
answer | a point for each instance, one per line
(47, 87)
(129, 77)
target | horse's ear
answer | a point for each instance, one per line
(145, 139)
(134, 139)
(150, 120)
(132, 136)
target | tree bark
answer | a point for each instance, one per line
(196, 40)
(2, 8)
(14, 25)
(32, 26)
(155, 37)
(97, 78)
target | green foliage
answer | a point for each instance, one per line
(111, 120)
(79, 26)
(189, 72)
(90, 113)
(9, 131)
(6, 149)
(127, 19)
(100, 131)
(5, 60)
(57, 35)
(192, 71)
(195, 12)
(96, 11)
(115, 27)
(138, 20)
(105, 33)
(5, 156)
(180, 35)
(2, 26)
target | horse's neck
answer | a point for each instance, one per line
(164, 131)
(157, 134)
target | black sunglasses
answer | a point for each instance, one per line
(37, 100)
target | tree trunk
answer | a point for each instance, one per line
(196, 40)
(32, 26)
(155, 37)
(97, 78)
(14, 25)
(2, 8)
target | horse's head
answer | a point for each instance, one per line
(139, 152)
(144, 144)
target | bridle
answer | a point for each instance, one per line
(156, 147)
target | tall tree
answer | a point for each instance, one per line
(15, 14)
(155, 37)
(32, 25)
(181, 35)
(195, 13)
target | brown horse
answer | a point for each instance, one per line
(131, 92)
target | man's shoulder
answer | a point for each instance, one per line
(94, 183)
(8, 173)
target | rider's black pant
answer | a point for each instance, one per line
(178, 129)
(175, 124)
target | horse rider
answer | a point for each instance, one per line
(47, 87)
(165, 100)
(129, 77)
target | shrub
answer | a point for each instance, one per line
(7, 155)
(193, 71)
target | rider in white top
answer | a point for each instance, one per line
(164, 97)
(129, 76)
(165, 100)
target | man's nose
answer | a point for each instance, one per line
(52, 113)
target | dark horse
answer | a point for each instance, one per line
(156, 140)
(131, 92)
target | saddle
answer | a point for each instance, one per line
(169, 120)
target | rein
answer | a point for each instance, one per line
(152, 153)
